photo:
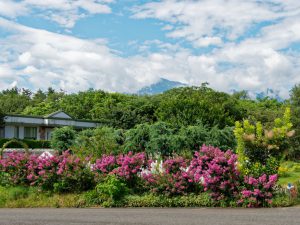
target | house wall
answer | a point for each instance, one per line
(9, 131)
(44, 125)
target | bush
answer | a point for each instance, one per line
(172, 180)
(258, 192)
(59, 173)
(217, 172)
(261, 149)
(150, 200)
(30, 143)
(126, 167)
(97, 142)
(112, 189)
(62, 138)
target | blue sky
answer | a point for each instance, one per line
(124, 45)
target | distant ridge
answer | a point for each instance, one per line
(269, 93)
(159, 87)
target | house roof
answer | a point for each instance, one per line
(56, 115)
(52, 115)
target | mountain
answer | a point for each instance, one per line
(272, 94)
(159, 87)
(269, 93)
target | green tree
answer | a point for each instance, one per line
(294, 151)
(189, 105)
(14, 101)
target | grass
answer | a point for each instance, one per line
(21, 197)
(289, 173)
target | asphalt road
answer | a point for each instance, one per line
(151, 216)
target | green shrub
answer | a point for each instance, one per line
(96, 142)
(15, 193)
(63, 138)
(81, 180)
(107, 193)
(4, 179)
(30, 143)
(259, 149)
(111, 188)
(150, 200)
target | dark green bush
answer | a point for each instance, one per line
(81, 180)
(30, 143)
(63, 138)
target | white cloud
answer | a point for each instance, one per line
(40, 59)
(207, 19)
(63, 12)
(256, 60)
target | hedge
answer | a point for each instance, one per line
(31, 143)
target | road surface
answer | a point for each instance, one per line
(151, 216)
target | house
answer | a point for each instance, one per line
(39, 127)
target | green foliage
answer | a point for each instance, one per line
(18, 142)
(110, 190)
(96, 142)
(80, 181)
(187, 106)
(63, 138)
(150, 200)
(289, 172)
(260, 150)
(30, 143)
(14, 100)
(294, 150)
(162, 138)
(193, 115)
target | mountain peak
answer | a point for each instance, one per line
(159, 87)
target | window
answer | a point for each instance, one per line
(48, 135)
(30, 133)
(16, 132)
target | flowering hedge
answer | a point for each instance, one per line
(172, 179)
(125, 166)
(257, 192)
(211, 170)
(61, 173)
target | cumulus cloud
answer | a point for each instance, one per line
(204, 21)
(63, 12)
(249, 37)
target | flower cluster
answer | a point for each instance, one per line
(216, 171)
(173, 179)
(126, 166)
(258, 192)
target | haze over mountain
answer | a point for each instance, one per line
(164, 85)
(159, 87)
